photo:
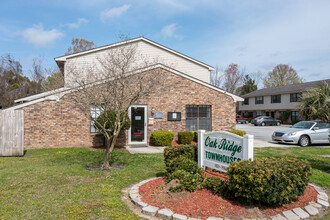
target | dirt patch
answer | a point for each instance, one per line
(203, 203)
(113, 167)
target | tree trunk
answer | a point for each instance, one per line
(110, 145)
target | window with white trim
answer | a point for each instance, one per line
(259, 100)
(95, 112)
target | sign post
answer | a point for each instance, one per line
(219, 148)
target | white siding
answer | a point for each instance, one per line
(76, 67)
(285, 104)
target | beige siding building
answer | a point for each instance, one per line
(272, 101)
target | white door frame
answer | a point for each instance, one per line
(130, 142)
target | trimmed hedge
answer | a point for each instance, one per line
(185, 137)
(238, 132)
(196, 135)
(173, 152)
(268, 181)
(162, 138)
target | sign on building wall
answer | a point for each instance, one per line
(218, 149)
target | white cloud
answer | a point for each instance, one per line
(168, 30)
(113, 12)
(77, 24)
(39, 37)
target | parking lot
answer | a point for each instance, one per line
(263, 135)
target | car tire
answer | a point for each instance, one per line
(304, 141)
(278, 123)
(263, 124)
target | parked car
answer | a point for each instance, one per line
(240, 119)
(265, 120)
(304, 133)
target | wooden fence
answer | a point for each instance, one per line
(11, 133)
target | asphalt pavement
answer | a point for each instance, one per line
(263, 135)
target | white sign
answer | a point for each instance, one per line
(219, 148)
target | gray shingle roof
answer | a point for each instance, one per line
(293, 88)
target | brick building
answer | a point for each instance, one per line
(185, 101)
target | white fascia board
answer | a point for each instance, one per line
(40, 95)
(48, 98)
(63, 58)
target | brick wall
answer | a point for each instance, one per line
(178, 92)
(59, 124)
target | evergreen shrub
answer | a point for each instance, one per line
(238, 132)
(269, 181)
(162, 138)
(186, 171)
(185, 137)
(196, 135)
(173, 152)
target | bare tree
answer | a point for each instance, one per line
(217, 77)
(79, 45)
(230, 79)
(117, 80)
(233, 78)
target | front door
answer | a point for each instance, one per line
(138, 129)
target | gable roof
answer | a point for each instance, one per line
(293, 88)
(63, 58)
(57, 94)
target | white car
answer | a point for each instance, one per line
(304, 133)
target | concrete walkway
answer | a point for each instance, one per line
(144, 149)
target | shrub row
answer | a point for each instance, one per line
(165, 138)
(268, 181)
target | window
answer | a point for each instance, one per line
(294, 116)
(95, 112)
(295, 97)
(198, 117)
(322, 125)
(246, 101)
(259, 100)
(276, 99)
(259, 114)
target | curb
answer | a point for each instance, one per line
(311, 210)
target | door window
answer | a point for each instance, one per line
(137, 124)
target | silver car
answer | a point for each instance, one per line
(304, 133)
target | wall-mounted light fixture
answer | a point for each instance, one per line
(152, 110)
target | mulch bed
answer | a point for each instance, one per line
(203, 203)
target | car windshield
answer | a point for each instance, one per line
(303, 125)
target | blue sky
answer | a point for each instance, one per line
(256, 34)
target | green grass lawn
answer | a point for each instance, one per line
(55, 184)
